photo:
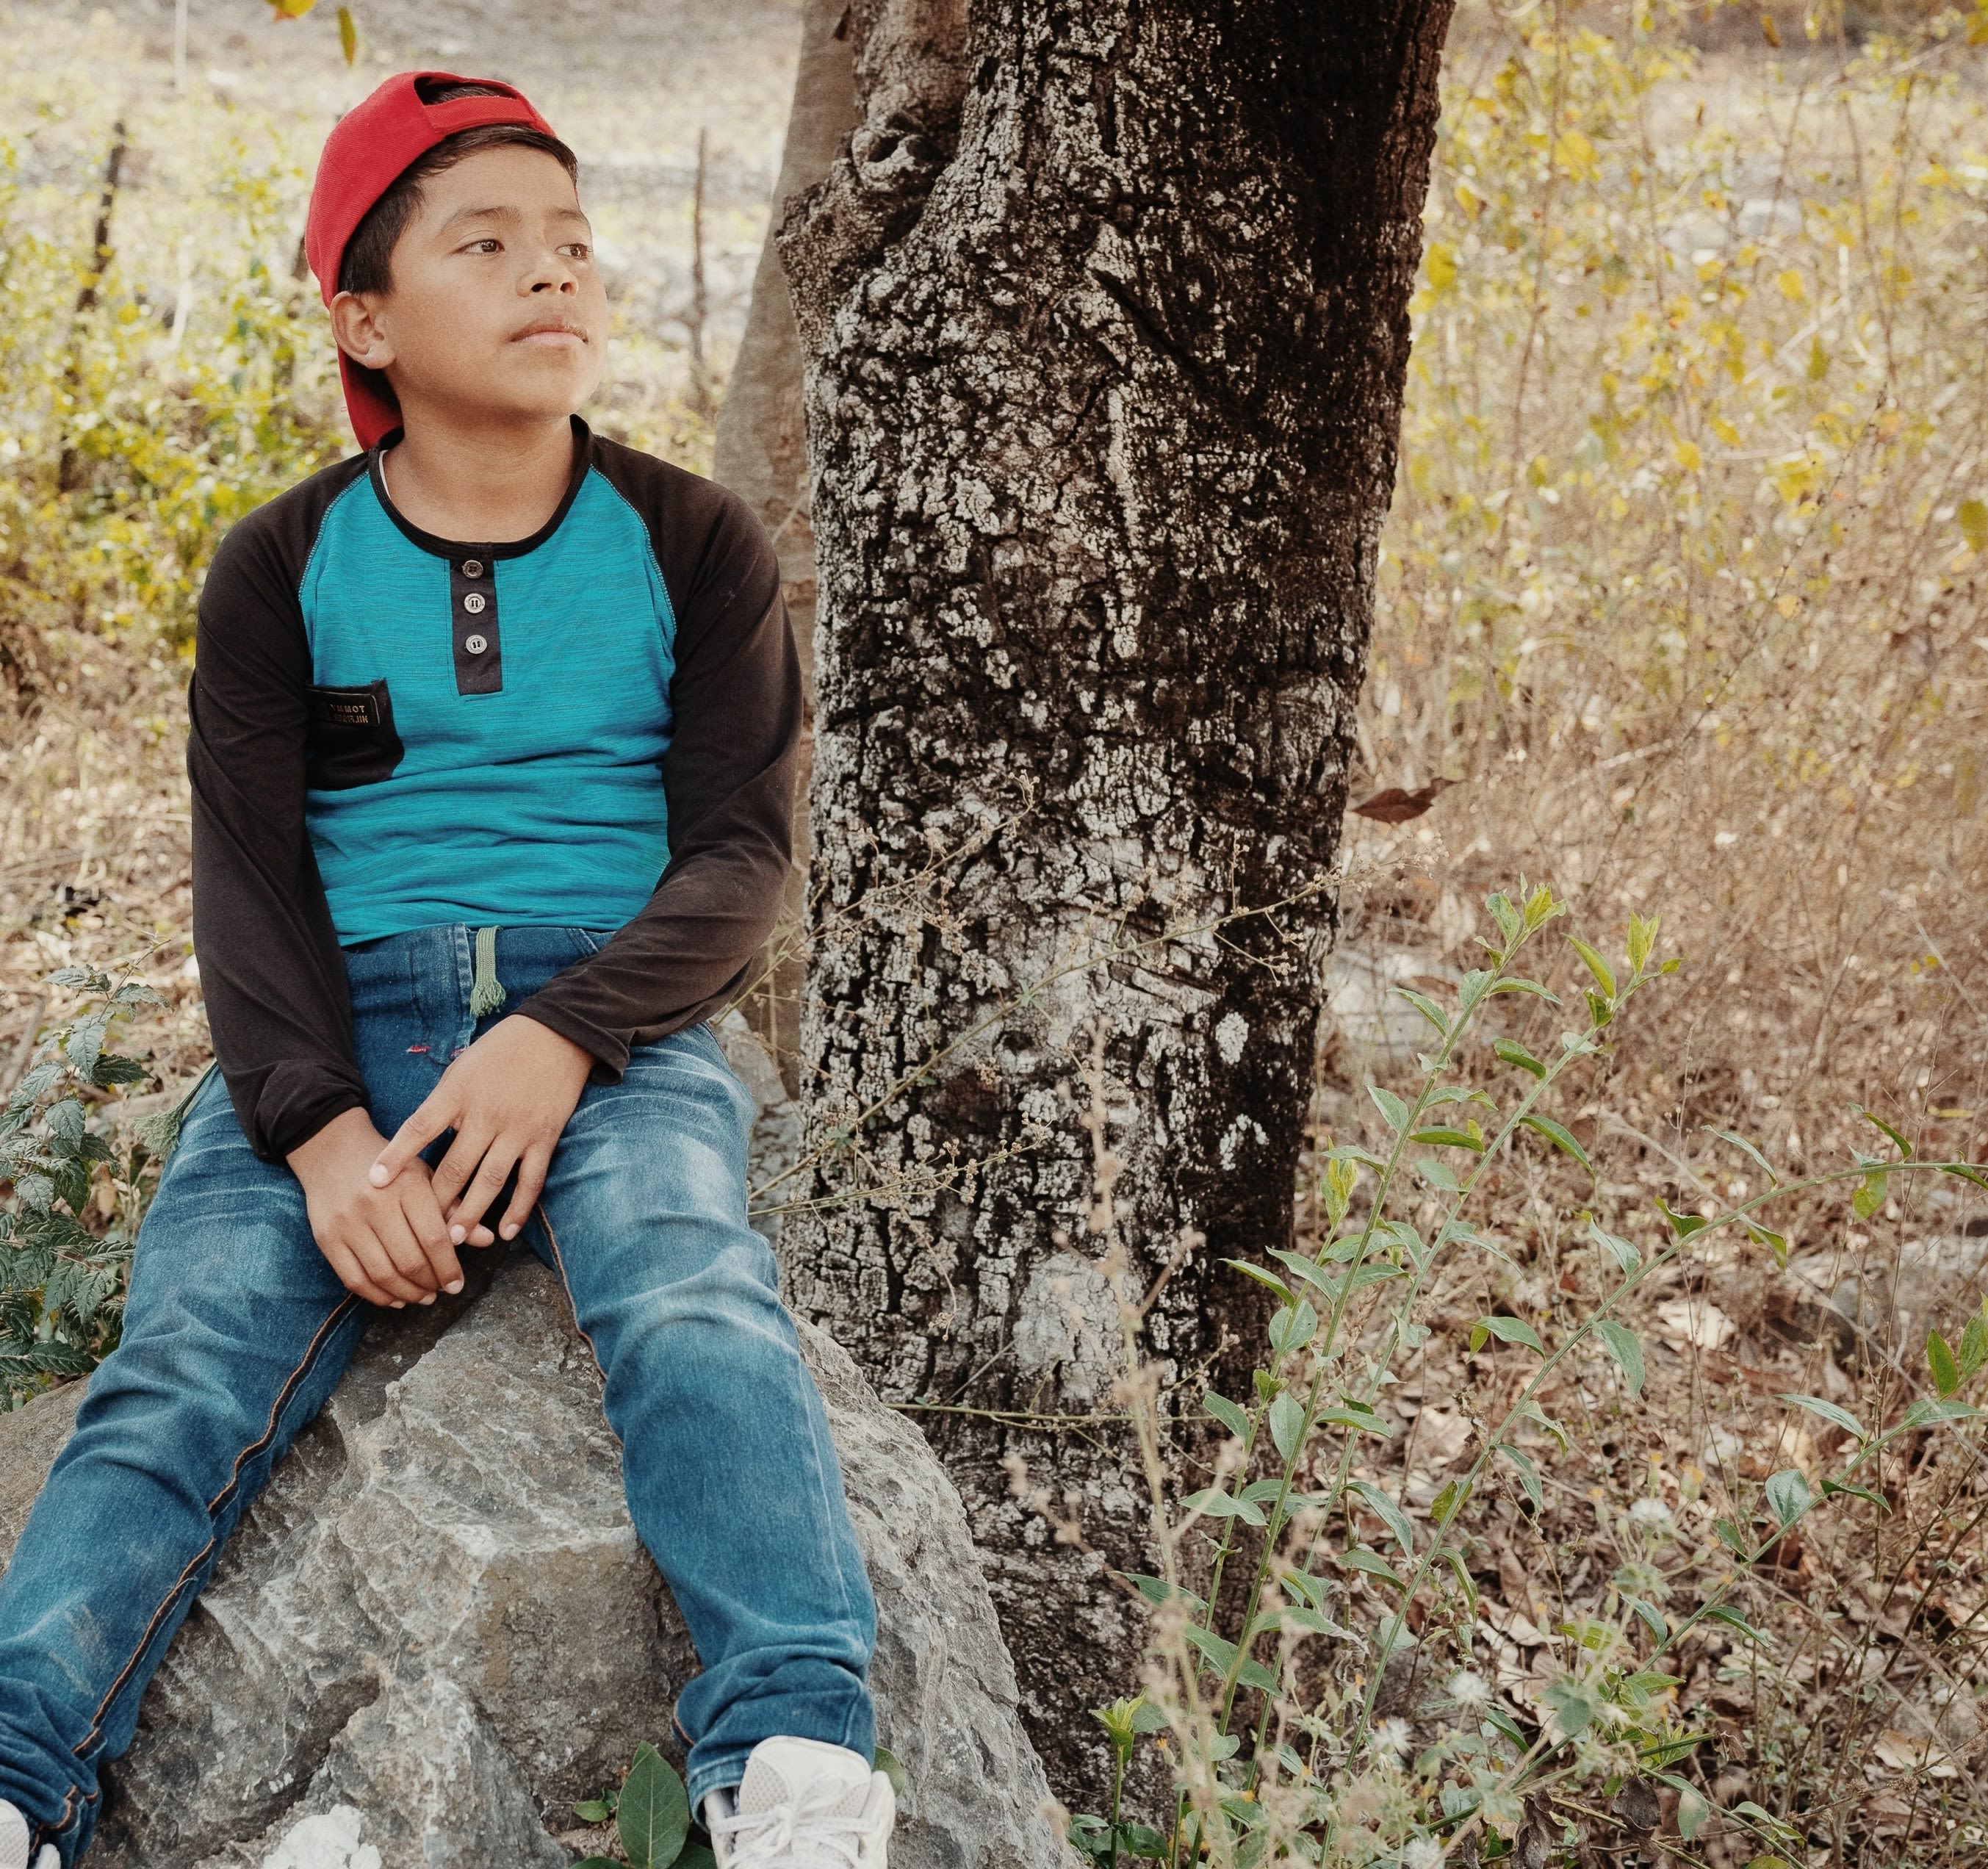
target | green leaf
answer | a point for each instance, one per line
(1506, 1331)
(1219, 1653)
(1389, 1513)
(1438, 1174)
(1959, 1173)
(1222, 1409)
(1529, 1475)
(1559, 1137)
(1428, 1007)
(1594, 963)
(1929, 1414)
(1525, 986)
(1940, 1359)
(1692, 1810)
(595, 1810)
(1263, 1276)
(1789, 1496)
(1642, 940)
(1830, 1411)
(1626, 1349)
(1293, 1327)
(1775, 1243)
(698, 1856)
(1157, 1591)
(1683, 1225)
(1360, 1558)
(1500, 909)
(1391, 1106)
(1454, 1561)
(1870, 1195)
(1142, 1840)
(1576, 1707)
(1626, 1257)
(652, 1813)
(888, 1763)
(1832, 1487)
(1974, 1343)
(1517, 1055)
(1287, 1425)
(1449, 1139)
(1448, 1503)
(1740, 1142)
(1213, 1504)
(1905, 1148)
(1719, 1613)
(1358, 1416)
(1652, 1617)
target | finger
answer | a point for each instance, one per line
(404, 1249)
(481, 1236)
(352, 1275)
(385, 1271)
(532, 1166)
(453, 1171)
(436, 1114)
(489, 1184)
(423, 1214)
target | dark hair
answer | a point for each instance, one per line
(367, 262)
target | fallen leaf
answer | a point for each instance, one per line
(1687, 1323)
(1395, 806)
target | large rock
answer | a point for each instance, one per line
(437, 1630)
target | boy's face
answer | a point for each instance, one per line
(496, 311)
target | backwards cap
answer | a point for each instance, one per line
(364, 157)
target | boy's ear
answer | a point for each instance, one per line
(356, 326)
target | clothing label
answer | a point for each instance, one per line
(345, 707)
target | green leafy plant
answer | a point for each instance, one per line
(78, 1193)
(1268, 1768)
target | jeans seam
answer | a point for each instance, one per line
(283, 1396)
(559, 1260)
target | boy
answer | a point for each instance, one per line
(460, 703)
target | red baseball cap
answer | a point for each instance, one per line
(364, 157)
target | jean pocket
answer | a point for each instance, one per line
(587, 941)
(352, 740)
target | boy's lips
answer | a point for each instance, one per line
(555, 330)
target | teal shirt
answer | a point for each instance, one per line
(536, 798)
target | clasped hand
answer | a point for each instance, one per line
(386, 1225)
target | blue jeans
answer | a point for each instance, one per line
(236, 1331)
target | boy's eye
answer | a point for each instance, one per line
(580, 250)
(487, 245)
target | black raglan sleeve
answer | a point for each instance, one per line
(728, 776)
(270, 967)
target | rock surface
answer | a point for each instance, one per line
(437, 1630)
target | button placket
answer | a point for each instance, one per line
(476, 642)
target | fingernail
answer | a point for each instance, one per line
(379, 1177)
(452, 1289)
(400, 1304)
(458, 1235)
(430, 1299)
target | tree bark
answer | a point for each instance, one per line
(759, 448)
(1106, 326)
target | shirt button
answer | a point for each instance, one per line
(475, 644)
(472, 567)
(474, 603)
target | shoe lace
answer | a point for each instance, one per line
(807, 1830)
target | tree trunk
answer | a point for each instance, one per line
(760, 448)
(1106, 327)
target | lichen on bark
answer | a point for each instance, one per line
(1105, 344)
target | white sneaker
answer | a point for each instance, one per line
(803, 1805)
(14, 1842)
